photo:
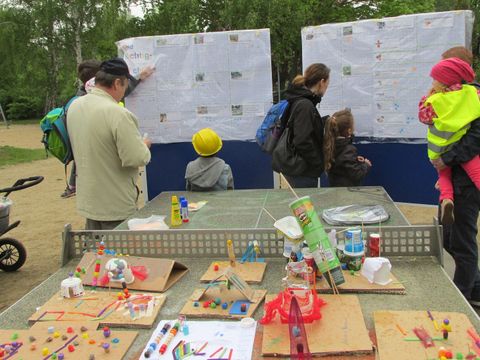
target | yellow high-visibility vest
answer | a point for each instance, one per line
(455, 111)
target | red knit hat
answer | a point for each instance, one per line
(452, 71)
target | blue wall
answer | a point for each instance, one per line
(251, 167)
(402, 169)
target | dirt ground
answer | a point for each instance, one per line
(43, 214)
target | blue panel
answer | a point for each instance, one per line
(402, 169)
(252, 169)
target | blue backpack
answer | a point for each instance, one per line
(272, 127)
(55, 134)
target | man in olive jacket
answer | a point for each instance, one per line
(107, 148)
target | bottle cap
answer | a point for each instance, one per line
(174, 199)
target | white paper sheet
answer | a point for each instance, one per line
(217, 80)
(225, 334)
(380, 67)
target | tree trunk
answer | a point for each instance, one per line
(77, 21)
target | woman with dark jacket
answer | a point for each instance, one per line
(302, 163)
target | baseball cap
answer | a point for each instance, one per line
(115, 66)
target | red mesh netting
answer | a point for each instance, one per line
(308, 301)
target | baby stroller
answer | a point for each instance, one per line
(12, 252)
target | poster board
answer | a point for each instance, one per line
(380, 67)
(251, 272)
(390, 339)
(210, 336)
(162, 273)
(340, 331)
(359, 284)
(90, 307)
(220, 80)
(60, 345)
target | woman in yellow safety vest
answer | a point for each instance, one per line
(448, 109)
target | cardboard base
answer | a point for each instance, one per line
(228, 296)
(251, 272)
(359, 284)
(81, 352)
(162, 273)
(390, 339)
(340, 331)
(89, 306)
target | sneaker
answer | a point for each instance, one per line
(446, 212)
(69, 192)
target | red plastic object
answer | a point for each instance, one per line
(298, 336)
(423, 335)
(281, 306)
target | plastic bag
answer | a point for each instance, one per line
(154, 222)
(355, 215)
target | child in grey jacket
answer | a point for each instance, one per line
(208, 172)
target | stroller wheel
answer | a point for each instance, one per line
(12, 254)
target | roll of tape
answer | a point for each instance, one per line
(247, 322)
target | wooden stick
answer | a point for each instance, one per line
(380, 239)
(350, 228)
(289, 186)
(268, 213)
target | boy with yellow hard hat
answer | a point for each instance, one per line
(208, 172)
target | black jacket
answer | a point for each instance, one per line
(462, 151)
(346, 170)
(307, 128)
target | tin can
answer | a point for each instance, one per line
(374, 245)
(312, 267)
(317, 239)
(354, 262)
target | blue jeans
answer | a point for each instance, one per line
(302, 181)
(460, 241)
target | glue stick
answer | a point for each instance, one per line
(184, 210)
(175, 218)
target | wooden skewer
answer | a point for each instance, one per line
(289, 186)
(341, 231)
(380, 239)
(268, 213)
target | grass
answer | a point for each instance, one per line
(10, 155)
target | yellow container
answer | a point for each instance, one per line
(175, 217)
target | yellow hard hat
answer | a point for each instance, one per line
(206, 142)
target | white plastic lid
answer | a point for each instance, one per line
(288, 225)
